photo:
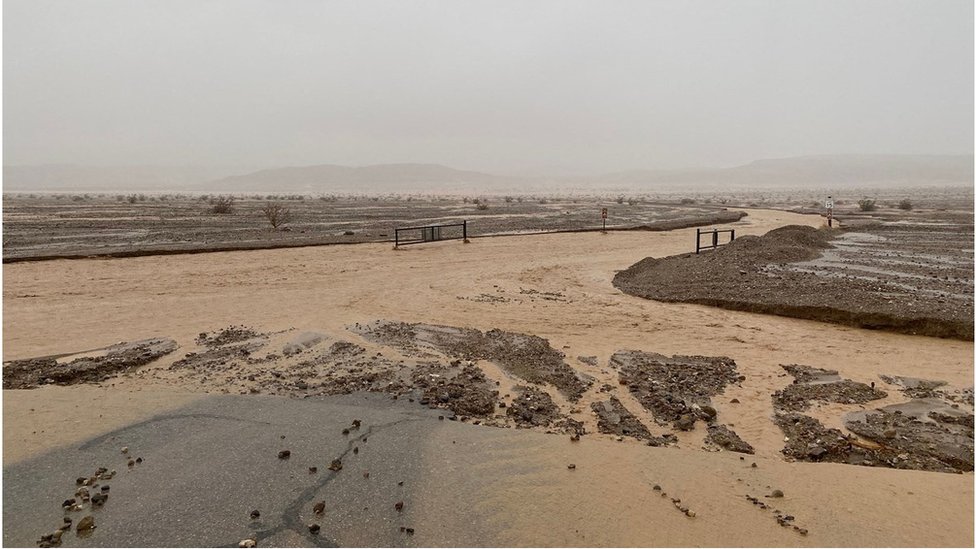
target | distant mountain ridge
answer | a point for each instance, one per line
(382, 177)
(76, 178)
(825, 171)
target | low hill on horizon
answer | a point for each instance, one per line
(824, 171)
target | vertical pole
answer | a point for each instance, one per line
(396, 238)
(733, 236)
(697, 240)
(715, 238)
(464, 229)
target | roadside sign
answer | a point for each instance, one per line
(604, 213)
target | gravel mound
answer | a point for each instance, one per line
(763, 275)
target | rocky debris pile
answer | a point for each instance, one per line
(528, 357)
(809, 374)
(676, 389)
(401, 335)
(723, 437)
(613, 418)
(815, 384)
(800, 396)
(588, 360)
(916, 388)
(339, 351)
(809, 440)
(534, 407)
(226, 336)
(907, 442)
(893, 439)
(216, 358)
(466, 394)
(111, 361)
(961, 396)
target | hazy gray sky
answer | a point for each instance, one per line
(519, 87)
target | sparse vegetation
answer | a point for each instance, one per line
(222, 205)
(905, 204)
(867, 205)
(620, 200)
(277, 214)
(687, 200)
(482, 205)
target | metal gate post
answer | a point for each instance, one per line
(697, 240)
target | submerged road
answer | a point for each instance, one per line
(207, 466)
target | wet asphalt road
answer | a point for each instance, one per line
(208, 465)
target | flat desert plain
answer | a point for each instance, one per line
(272, 337)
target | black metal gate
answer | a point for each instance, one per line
(714, 238)
(431, 233)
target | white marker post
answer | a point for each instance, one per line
(603, 214)
(830, 211)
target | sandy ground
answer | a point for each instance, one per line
(74, 305)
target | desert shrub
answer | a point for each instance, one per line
(482, 205)
(905, 204)
(132, 199)
(867, 205)
(620, 200)
(519, 199)
(277, 214)
(632, 201)
(222, 204)
(77, 198)
(687, 200)
(509, 199)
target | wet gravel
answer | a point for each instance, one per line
(675, 389)
(109, 362)
(891, 276)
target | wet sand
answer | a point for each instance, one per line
(61, 306)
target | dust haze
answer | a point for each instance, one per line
(178, 93)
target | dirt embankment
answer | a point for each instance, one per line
(869, 279)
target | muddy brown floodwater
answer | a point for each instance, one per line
(532, 378)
